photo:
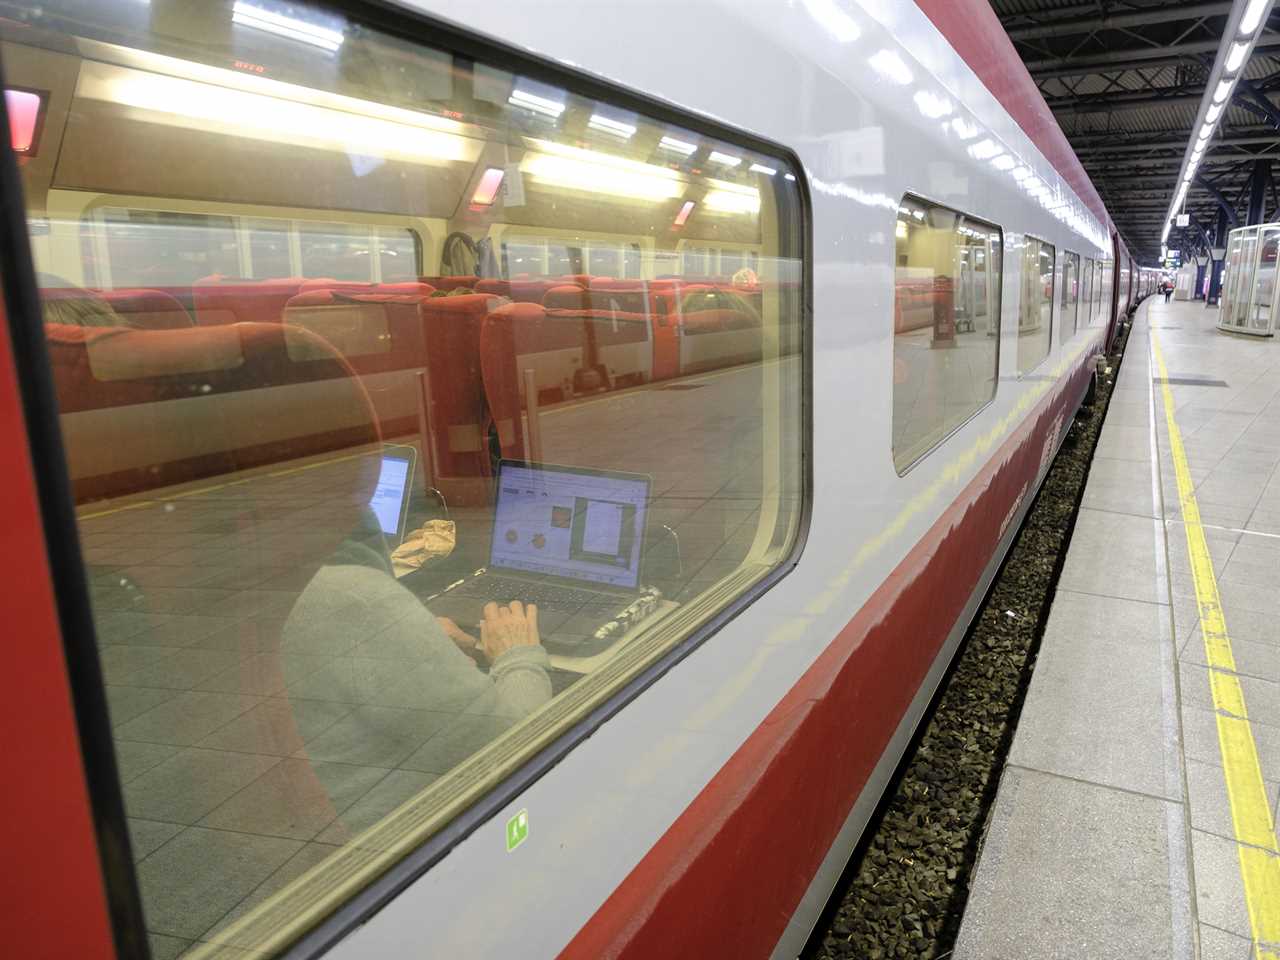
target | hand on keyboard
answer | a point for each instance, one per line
(507, 626)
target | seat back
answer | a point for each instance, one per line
(218, 299)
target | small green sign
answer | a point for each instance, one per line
(517, 830)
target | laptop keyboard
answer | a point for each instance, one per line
(550, 595)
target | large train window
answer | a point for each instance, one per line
(330, 325)
(1068, 313)
(946, 324)
(1035, 306)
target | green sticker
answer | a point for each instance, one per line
(517, 830)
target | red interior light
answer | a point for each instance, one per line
(24, 119)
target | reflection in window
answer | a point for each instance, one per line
(946, 324)
(1068, 315)
(310, 427)
(1035, 313)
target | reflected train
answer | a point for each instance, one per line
(327, 322)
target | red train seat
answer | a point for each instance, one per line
(147, 309)
(218, 299)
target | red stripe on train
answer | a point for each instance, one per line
(728, 875)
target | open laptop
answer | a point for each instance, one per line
(390, 500)
(569, 539)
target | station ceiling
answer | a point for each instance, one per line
(1125, 79)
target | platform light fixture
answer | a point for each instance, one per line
(269, 21)
(677, 146)
(1243, 22)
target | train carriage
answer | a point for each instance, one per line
(333, 322)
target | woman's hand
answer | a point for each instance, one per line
(465, 641)
(508, 626)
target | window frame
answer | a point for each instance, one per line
(1069, 256)
(1053, 296)
(998, 288)
(67, 575)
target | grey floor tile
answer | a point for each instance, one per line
(296, 798)
(1219, 889)
(264, 674)
(1112, 555)
(397, 787)
(182, 630)
(1261, 697)
(1119, 486)
(191, 784)
(277, 726)
(186, 669)
(1094, 709)
(302, 862)
(167, 948)
(1210, 807)
(1200, 739)
(255, 635)
(123, 665)
(1248, 625)
(1247, 596)
(199, 875)
(187, 718)
(462, 737)
(146, 836)
(1217, 944)
(134, 758)
(126, 702)
(121, 627)
(1124, 443)
(1070, 870)
(376, 736)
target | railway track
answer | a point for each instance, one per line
(904, 891)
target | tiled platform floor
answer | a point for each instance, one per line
(239, 772)
(1111, 835)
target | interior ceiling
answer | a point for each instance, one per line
(1124, 79)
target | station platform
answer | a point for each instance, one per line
(1136, 813)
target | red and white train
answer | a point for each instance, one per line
(825, 277)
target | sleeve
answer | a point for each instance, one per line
(521, 681)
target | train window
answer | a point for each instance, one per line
(946, 324)
(1035, 314)
(1068, 313)
(160, 248)
(354, 394)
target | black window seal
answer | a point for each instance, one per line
(40, 400)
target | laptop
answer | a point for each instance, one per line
(390, 500)
(571, 540)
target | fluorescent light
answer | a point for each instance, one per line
(683, 215)
(1215, 111)
(247, 15)
(1206, 132)
(677, 146)
(1252, 16)
(530, 101)
(890, 66)
(723, 159)
(984, 149)
(608, 125)
(590, 171)
(761, 168)
(931, 105)
(1236, 56)
(727, 197)
(488, 186)
(1224, 88)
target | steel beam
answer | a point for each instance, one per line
(1111, 144)
(1131, 57)
(1258, 183)
(1123, 102)
(1072, 26)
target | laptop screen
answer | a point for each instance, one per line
(390, 497)
(581, 524)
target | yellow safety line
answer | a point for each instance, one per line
(1250, 811)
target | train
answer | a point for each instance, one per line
(739, 360)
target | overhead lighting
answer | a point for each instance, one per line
(1206, 132)
(985, 149)
(531, 101)
(964, 129)
(723, 159)
(931, 105)
(268, 21)
(1003, 162)
(683, 215)
(615, 127)
(890, 66)
(1236, 56)
(1021, 174)
(727, 197)
(1252, 16)
(1214, 112)
(677, 146)
(1224, 88)
(590, 171)
(761, 168)
(487, 188)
